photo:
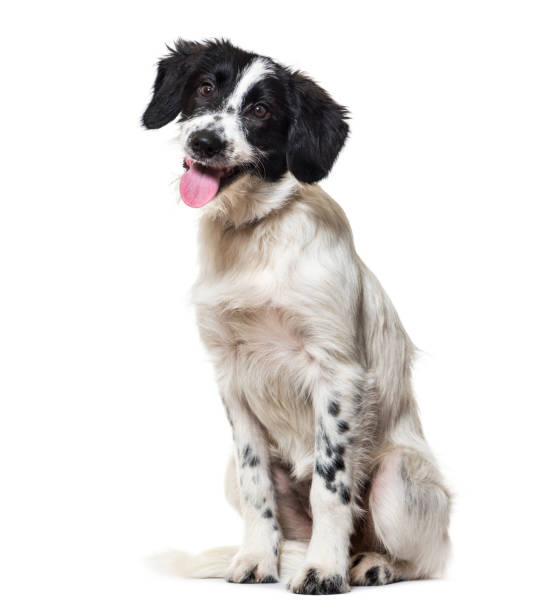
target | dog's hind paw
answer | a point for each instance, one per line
(371, 569)
(313, 581)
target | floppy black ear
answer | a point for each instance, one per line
(173, 71)
(318, 131)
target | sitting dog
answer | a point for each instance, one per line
(312, 362)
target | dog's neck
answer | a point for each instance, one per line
(249, 199)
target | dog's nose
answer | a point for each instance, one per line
(206, 144)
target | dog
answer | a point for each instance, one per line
(331, 471)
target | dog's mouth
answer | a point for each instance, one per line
(201, 183)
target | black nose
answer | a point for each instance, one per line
(206, 144)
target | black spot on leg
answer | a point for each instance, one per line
(343, 426)
(344, 494)
(267, 513)
(326, 471)
(338, 463)
(327, 468)
(275, 527)
(334, 408)
(249, 458)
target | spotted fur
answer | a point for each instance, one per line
(311, 359)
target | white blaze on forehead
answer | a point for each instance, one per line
(253, 73)
(239, 149)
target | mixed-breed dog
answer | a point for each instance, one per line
(331, 472)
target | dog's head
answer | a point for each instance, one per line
(243, 113)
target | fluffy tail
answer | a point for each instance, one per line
(214, 563)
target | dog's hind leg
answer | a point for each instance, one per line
(409, 509)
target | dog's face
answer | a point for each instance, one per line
(241, 112)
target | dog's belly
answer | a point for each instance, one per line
(260, 354)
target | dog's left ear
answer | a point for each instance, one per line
(318, 132)
(173, 71)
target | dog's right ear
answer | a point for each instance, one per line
(173, 71)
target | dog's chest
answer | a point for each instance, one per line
(260, 355)
(254, 332)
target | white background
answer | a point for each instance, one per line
(113, 441)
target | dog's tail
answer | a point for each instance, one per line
(214, 563)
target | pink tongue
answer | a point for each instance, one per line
(199, 185)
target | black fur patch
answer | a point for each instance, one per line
(267, 513)
(343, 426)
(303, 131)
(318, 134)
(249, 577)
(344, 494)
(334, 408)
(268, 579)
(372, 576)
(328, 467)
(249, 458)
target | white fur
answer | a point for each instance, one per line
(253, 73)
(214, 563)
(293, 320)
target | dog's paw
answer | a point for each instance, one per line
(371, 569)
(247, 568)
(315, 581)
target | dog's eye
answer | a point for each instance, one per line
(206, 89)
(260, 111)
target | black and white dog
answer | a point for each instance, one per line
(331, 472)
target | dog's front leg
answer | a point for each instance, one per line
(337, 403)
(257, 559)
